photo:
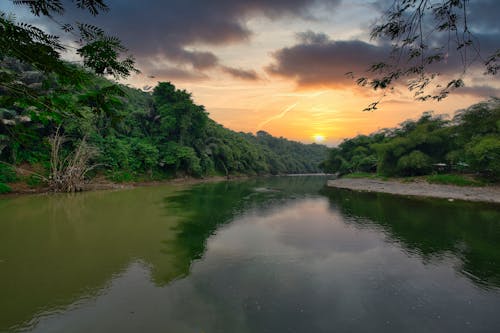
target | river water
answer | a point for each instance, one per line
(281, 254)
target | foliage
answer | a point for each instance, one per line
(363, 175)
(452, 179)
(413, 164)
(4, 188)
(33, 46)
(484, 154)
(135, 135)
(469, 142)
(414, 28)
(7, 173)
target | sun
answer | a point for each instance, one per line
(318, 138)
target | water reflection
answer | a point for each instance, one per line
(59, 249)
(204, 208)
(268, 255)
(431, 228)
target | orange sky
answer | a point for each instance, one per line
(282, 109)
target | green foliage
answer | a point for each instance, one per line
(414, 164)
(7, 173)
(468, 143)
(34, 181)
(120, 176)
(4, 188)
(139, 136)
(31, 45)
(363, 175)
(452, 179)
(484, 154)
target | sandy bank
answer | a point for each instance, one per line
(421, 189)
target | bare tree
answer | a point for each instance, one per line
(67, 174)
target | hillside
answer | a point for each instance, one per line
(125, 134)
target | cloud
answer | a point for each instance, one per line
(179, 29)
(311, 37)
(167, 73)
(318, 61)
(239, 73)
(482, 91)
(483, 15)
(278, 116)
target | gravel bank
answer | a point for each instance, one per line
(421, 189)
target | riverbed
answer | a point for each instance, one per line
(420, 189)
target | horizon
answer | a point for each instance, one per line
(277, 67)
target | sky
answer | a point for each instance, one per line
(279, 65)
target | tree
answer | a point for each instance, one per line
(423, 34)
(31, 45)
(41, 51)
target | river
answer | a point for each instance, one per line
(279, 254)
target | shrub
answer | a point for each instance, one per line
(414, 164)
(7, 173)
(4, 188)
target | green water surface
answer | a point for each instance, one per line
(281, 254)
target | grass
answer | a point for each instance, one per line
(364, 175)
(451, 179)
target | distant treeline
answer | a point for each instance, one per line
(470, 142)
(132, 134)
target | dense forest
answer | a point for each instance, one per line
(469, 142)
(64, 133)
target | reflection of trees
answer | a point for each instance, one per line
(432, 228)
(55, 250)
(205, 207)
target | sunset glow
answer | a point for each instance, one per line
(318, 138)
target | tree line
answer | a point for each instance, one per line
(128, 134)
(469, 142)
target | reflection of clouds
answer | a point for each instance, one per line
(318, 234)
(296, 267)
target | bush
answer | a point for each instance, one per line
(483, 154)
(449, 179)
(414, 164)
(120, 176)
(7, 173)
(4, 188)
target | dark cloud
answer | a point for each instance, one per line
(311, 37)
(239, 73)
(320, 61)
(483, 15)
(167, 73)
(177, 28)
(480, 91)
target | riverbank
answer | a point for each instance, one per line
(420, 189)
(21, 188)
